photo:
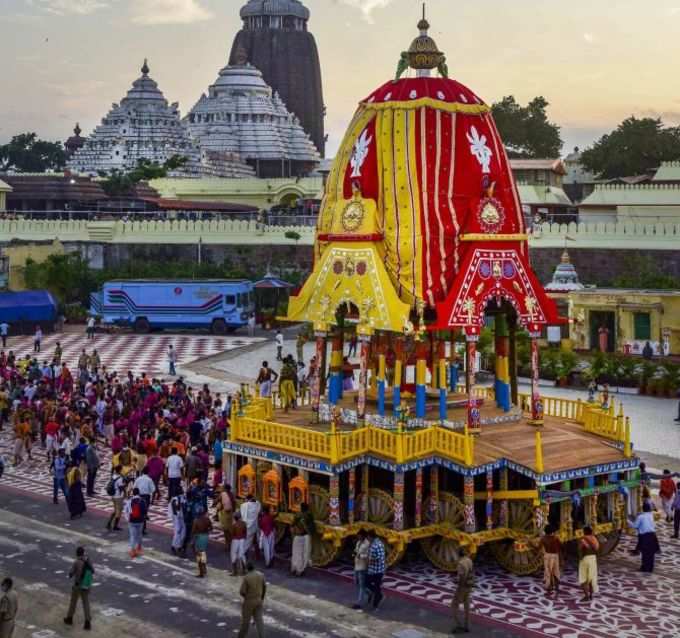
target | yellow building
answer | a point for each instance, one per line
(4, 189)
(262, 193)
(630, 318)
(17, 254)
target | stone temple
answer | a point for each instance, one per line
(241, 116)
(144, 126)
(275, 40)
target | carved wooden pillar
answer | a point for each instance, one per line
(398, 501)
(352, 494)
(469, 504)
(334, 501)
(419, 496)
(504, 519)
(434, 494)
(489, 499)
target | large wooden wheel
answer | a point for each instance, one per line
(521, 515)
(451, 510)
(319, 500)
(324, 552)
(380, 506)
(521, 556)
(440, 551)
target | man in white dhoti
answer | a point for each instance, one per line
(250, 512)
(176, 513)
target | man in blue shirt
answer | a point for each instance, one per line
(59, 467)
(376, 568)
(217, 449)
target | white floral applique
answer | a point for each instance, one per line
(360, 153)
(479, 149)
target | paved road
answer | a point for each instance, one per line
(160, 590)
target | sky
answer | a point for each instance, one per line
(595, 61)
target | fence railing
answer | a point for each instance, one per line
(252, 425)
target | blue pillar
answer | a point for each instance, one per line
(453, 376)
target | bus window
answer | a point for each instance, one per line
(230, 300)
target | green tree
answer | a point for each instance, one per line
(25, 153)
(68, 277)
(635, 147)
(120, 183)
(641, 271)
(526, 130)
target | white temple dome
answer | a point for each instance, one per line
(145, 127)
(241, 114)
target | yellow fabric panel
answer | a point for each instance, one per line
(401, 202)
(334, 202)
(449, 107)
(328, 288)
(414, 209)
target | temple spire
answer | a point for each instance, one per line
(145, 67)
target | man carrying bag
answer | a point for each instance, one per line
(82, 574)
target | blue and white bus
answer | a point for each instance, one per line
(144, 304)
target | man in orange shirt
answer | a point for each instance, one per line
(667, 492)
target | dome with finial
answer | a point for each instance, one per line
(565, 278)
(423, 54)
(75, 142)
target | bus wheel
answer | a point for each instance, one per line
(219, 327)
(141, 326)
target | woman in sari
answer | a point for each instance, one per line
(75, 500)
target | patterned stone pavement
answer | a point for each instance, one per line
(629, 604)
(123, 352)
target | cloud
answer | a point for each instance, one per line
(589, 38)
(70, 7)
(367, 6)
(170, 12)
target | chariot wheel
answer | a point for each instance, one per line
(609, 541)
(380, 506)
(443, 552)
(519, 557)
(521, 515)
(393, 553)
(324, 552)
(319, 500)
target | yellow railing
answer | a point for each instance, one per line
(283, 437)
(554, 406)
(479, 391)
(336, 446)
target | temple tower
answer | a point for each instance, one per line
(274, 39)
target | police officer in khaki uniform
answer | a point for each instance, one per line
(253, 589)
(465, 585)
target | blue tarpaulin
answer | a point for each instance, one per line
(29, 305)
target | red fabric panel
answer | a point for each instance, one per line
(368, 181)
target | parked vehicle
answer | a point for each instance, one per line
(23, 311)
(220, 305)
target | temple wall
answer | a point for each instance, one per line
(600, 252)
